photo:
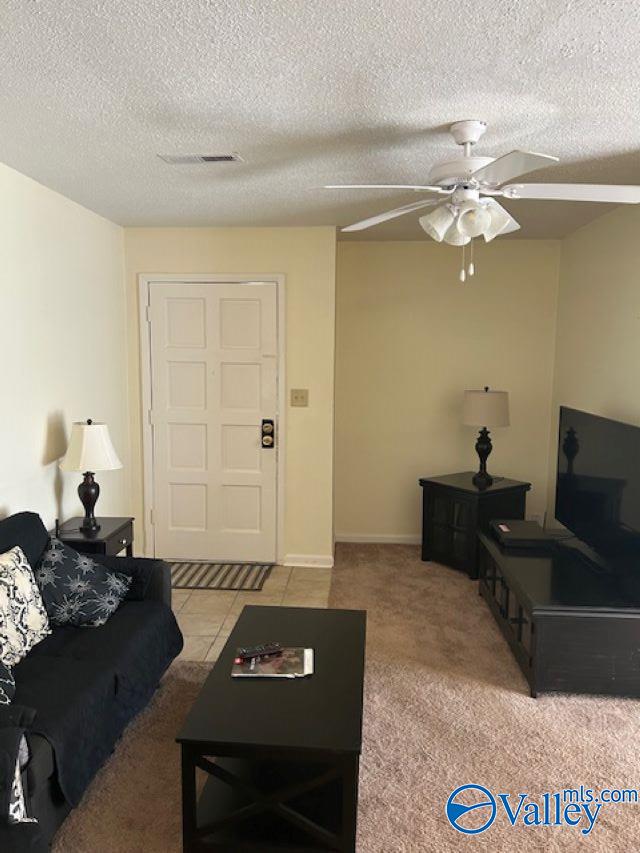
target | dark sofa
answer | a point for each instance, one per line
(86, 684)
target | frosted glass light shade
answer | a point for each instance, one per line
(499, 220)
(473, 220)
(455, 238)
(437, 222)
(486, 408)
(90, 449)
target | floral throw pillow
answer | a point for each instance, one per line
(23, 618)
(76, 589)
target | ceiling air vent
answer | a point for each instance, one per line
(191, 159)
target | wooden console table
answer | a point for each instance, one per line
(572, 627)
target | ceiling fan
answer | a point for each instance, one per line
(466, 190)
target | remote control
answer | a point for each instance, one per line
(264, 650)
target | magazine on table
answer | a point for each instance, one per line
(290, 663)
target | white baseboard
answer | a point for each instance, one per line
(380, 538)
(311, 561)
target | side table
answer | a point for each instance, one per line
(115, 535)
(454, 511)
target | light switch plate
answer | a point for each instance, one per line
(299, 396)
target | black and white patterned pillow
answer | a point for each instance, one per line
(23, 618)
(77, 590)
(7, 685)
(17, 802)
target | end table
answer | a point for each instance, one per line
(454, 511)
(115, 535)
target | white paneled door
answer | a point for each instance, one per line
(214, 363)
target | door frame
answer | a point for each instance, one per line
(145, 281)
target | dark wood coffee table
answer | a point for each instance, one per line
(282, 756)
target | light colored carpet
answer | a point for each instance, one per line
(445, 705)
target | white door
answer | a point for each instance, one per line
(214, 360)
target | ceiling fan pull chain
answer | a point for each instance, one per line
(463, 274)
(471, 270)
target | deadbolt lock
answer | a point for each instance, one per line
(267, 433)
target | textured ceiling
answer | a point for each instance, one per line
(310, 92)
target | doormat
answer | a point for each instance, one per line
(237, 576)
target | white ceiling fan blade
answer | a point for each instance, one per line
(390, 214)
(431, 189)
(613, 193)
(510, 166)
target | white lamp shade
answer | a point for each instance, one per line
(90, 449)
(437, 222)
(486, 408)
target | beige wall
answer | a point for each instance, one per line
(62, 303)
(410, 339)
(597, 365)
(306, 256)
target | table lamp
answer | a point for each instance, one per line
(485, 409)
(90, 450)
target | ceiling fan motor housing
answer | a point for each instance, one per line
(459, 171)
(464, 195)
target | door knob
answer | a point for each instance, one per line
(267, 432)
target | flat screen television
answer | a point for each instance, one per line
(598, 485)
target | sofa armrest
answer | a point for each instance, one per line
(151, 577)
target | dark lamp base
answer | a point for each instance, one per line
(90, 525)
(88, 492)
(483, 479)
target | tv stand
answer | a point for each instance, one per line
(576, 549)
(571, 627)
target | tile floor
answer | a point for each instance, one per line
(206, 617)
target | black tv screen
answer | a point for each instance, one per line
(598, 484)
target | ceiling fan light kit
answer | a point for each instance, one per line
(473, 183)
(437, 222)
(473, 219)
(455, 237)
(500, 219)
